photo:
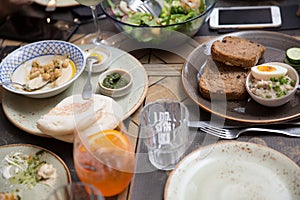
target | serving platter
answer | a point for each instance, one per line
(24, 112)
(40, 190)
(247, 110)
(59, 3)
(234, 170)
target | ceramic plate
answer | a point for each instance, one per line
(243, 111)
(234, 170)
(60, 3)
(23, 112)
(40, 190)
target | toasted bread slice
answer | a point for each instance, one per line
(221, 82)
(235, 51)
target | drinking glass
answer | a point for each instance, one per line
(76, 191)
(104, 159)
(164, 129)
(97, 37)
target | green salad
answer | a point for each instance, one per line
(146, 28)
(173, 12)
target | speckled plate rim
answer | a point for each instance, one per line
(268, 118)
(25, 118)
(50, 153)
(60, 3)
(177, 176)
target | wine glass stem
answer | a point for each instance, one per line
(99, 37)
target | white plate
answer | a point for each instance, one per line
(24, 112)
(234, 170)
(39, 191)
(60, 3)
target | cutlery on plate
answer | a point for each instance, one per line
(235, 133)
(26, 87)
(199, 124)
(51, 6)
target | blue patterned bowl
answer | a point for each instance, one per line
(41, 49)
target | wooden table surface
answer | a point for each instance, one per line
(164, 73)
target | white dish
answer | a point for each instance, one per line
(291, 72)
(60, 3)
(105, 57)
(115, 92)
(234, 170)
(17, 65)
(40, 190)
(24, 112)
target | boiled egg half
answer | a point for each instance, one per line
(267, 71)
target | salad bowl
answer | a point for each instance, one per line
(173, 22)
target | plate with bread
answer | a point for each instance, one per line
(214, 75)
(58, 116)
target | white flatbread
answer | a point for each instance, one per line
(74, 113)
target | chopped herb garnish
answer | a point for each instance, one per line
(26, 166)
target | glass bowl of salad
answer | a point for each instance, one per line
(177, 19)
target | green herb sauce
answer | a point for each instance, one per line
(114, 81)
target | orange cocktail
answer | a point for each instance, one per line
(104, 160)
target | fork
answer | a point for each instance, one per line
(235, 133)
(148, 6)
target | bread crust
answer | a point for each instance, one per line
(235, 51)
(221, 82)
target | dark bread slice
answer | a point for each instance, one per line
(235, 51)
(218, 80)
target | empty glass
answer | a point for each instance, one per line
(164, 128)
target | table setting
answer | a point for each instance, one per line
(157, 135)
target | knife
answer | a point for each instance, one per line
(199, 124)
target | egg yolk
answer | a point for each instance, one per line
(264, 68)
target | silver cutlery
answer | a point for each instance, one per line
(87, 89)
(147, 6)
(25, 86)
(235, 133)
(199, 124)
(51, 6)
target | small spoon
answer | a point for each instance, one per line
(87, 89)
(25, 86)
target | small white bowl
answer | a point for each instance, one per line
(115, 92)
(281, 100)
(104, 56)
(39, 50)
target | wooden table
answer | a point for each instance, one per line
(164, 73)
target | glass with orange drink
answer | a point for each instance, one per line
(104, 159)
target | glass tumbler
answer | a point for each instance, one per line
(164, 128)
